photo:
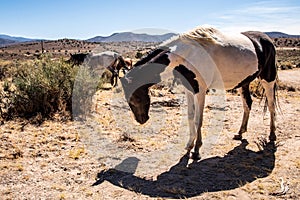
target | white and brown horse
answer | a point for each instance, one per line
(119, 63)
(206, 58)
(112, 61)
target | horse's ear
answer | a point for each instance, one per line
(128, 62)
(125, 71)
(126, 81)
(123, 81)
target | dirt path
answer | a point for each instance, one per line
(111, 157)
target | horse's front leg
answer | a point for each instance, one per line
(116, 81)
(191, 118)
(114, 78)
(199, 108)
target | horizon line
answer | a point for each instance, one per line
(117, 32)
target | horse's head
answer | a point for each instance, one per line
(138, 99)
(137, 81)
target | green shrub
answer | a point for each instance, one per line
(43, 87)
(47, 87)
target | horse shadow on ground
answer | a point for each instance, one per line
(238, 167)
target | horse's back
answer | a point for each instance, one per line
(224, 60)
(221, 61)
(236, 59)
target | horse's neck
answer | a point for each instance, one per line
(196, 58)
(187, 52)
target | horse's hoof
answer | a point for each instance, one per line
(195, 156)
(238, 137)
(272, 137)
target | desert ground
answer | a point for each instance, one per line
(110, 156)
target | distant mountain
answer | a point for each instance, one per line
(17, 39)
(6, 39)
(97, 39)
(116, 37)
(129, 36)
(281, 35)
(4, 42)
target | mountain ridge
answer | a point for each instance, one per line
(129, 36)
(7, 39)
(276, 34)
(125, 37)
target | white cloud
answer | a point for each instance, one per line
(263, 16)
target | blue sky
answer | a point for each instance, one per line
(82, 19)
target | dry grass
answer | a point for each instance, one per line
(75, 153)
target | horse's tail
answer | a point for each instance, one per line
(270, 54)
(268, 69)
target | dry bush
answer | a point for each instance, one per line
(47, 87)
(286, 65)
(256, 89)
(43, 87)
(7, 69)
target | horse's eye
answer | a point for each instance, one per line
(131, 105)
(138, 100)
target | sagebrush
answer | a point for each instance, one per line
(47, 87)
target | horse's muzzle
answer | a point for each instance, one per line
(142, 119)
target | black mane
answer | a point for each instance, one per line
(77, 59)
(149, 56)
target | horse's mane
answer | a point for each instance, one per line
(149, 56)
(204, 35)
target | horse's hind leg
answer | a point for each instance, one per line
(247, 103)
(270, 95)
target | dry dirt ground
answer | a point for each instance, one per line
(110, 156)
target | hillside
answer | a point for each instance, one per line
(129, 36)
(16, 39)
(63, 48)
(4, 42)
(275, 34)
(115, 37)
(7, 39)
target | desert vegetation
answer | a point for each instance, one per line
(42, 87)
(287, 42)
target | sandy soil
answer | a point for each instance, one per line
(110, 156)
